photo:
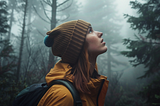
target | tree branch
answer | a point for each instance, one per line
(45, 11)
(65, 7)
(39, 15)
(47, 2)
(48, 10)
(143, 39)
(63, 19)
(62, 3)
(40, 33)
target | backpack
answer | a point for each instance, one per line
(31, 95)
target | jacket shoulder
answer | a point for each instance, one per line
(57, 95)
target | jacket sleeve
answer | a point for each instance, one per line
(57, 95)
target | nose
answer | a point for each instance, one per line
(100, 34)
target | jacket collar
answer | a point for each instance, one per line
(98, 87)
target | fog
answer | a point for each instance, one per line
(29, 23)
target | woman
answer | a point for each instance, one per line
(78, 45)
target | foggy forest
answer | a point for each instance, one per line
(131, 30)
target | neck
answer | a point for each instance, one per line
(92, 60)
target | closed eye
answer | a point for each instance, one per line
(90, 30)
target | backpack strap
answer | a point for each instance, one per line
(71, 88)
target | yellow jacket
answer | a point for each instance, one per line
(59, 95)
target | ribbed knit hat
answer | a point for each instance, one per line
(67, 40)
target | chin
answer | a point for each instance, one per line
(103, 51)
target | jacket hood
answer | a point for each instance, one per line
(58, 72)
(98, 87)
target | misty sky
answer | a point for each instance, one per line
(123, 7)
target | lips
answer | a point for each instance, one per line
(101, 40)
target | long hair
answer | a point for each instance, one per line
(81, 71)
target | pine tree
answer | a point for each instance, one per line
(146, 48)
(3, 17)
(7, 73)
(7, 61)
(22, 39)
(12, 6)
(34, 58)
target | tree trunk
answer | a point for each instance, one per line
(109, 62)
(52, 60)
(11, 20)
(27, 41)
(22, 40)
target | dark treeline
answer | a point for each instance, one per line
(25, 60)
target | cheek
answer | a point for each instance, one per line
(92, 40)
(93, 46)
(92, 43)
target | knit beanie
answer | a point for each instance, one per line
(67, 40)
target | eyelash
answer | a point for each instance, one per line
(90, 30)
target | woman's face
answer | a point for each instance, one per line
(96, 45)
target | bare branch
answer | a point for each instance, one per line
(46, 28)
(47, 2)
(148, 40)
(45, 11)
(68, 15)
(40, 15)
(40, 33)
(66, 7)
(62, 3)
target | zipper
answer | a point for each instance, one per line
(100, 90)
